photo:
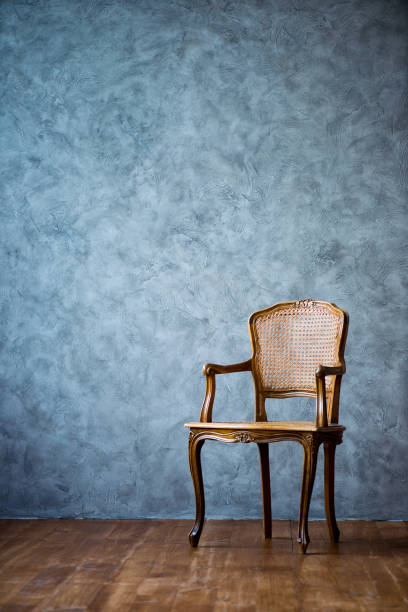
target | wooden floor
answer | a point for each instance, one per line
(148, 565)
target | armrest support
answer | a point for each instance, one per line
(210, 370)
(321, 402)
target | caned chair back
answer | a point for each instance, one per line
(290, 340)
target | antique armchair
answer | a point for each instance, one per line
(297, 350)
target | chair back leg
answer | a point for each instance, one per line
(329, 456)
(266, 489)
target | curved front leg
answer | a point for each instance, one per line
(194, 457)
(311, 448)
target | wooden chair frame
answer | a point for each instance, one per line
(325, 430)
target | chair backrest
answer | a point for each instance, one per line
(290, 340)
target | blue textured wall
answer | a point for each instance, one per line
(166, 169)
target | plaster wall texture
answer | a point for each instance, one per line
(166, 169)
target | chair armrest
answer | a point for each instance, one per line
(210, 370)
(323, 371)
(214, 368)
(321, 403)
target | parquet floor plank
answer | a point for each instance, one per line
(62, 565)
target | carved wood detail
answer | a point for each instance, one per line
(310, 440)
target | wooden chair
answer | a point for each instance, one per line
(297, 350)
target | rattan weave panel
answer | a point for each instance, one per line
(291, 342)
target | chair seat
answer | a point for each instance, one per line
(265, 426)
